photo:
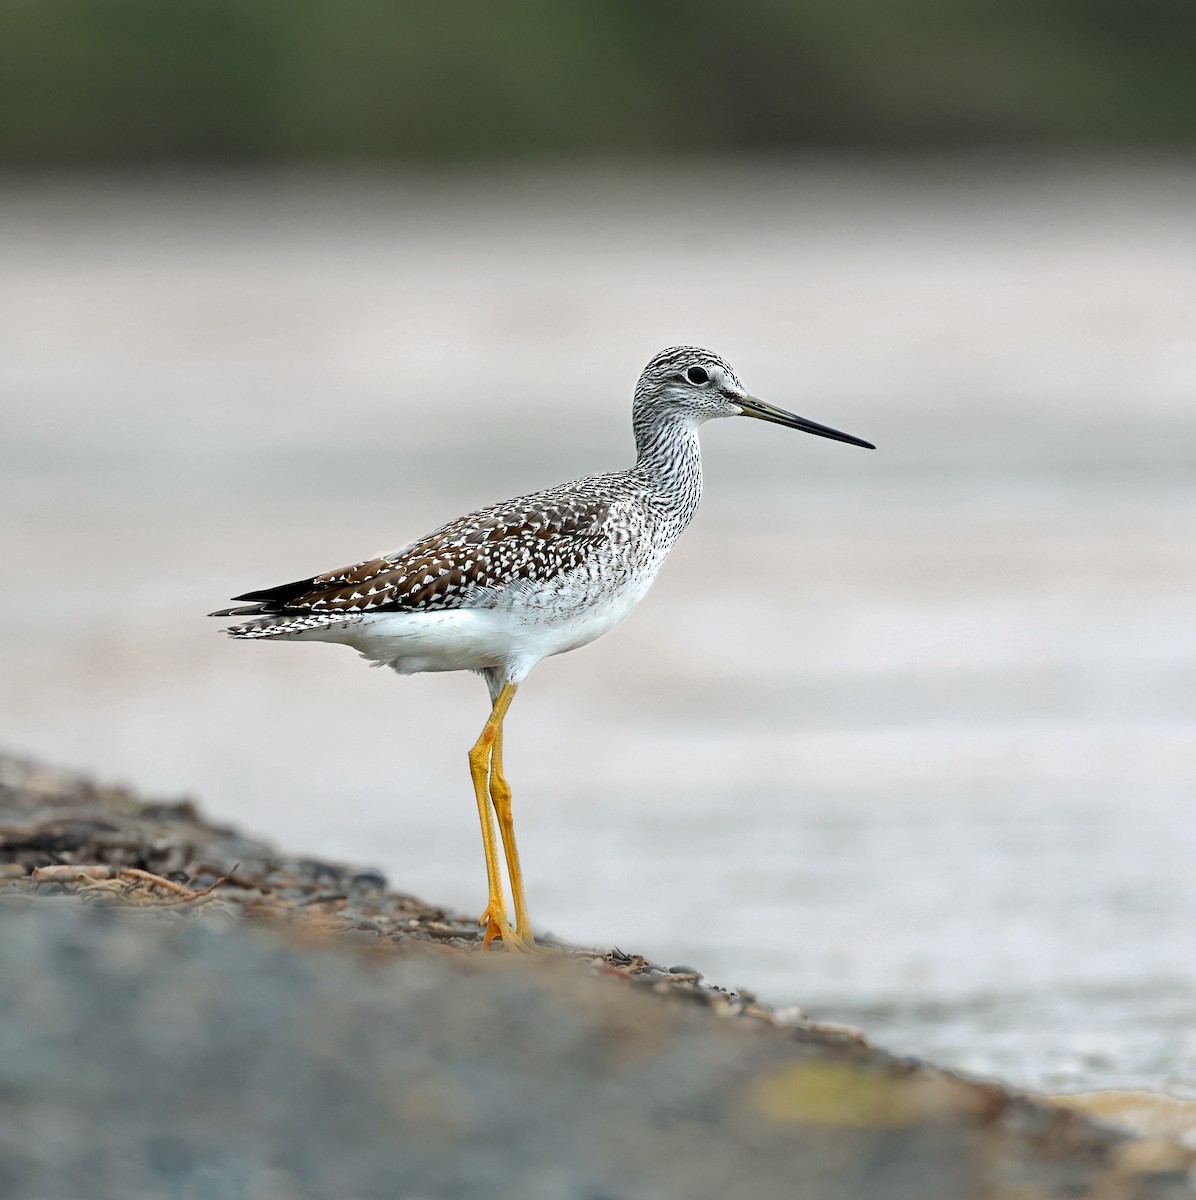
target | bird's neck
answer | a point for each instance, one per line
(670, 462)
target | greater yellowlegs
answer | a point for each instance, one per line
(504, 587)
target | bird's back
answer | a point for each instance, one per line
(531, 550)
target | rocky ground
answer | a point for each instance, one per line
(185, 1012)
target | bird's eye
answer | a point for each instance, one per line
(697, 375)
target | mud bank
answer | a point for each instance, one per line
(185, 1011)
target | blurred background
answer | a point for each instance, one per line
(903, 737)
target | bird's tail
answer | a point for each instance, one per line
(276, 620)
(283, 625)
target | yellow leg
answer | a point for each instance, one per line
(495, 916)
(500, 796)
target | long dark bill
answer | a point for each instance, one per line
(767, 412)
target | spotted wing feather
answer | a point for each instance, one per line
(463, 564)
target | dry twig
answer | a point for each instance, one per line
(97, 877)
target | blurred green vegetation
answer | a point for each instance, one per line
(128, 81)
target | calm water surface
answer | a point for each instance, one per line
(903, 737)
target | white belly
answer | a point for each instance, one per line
(513, 636)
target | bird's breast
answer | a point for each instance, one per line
(575, 610)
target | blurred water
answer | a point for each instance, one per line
(905, 737)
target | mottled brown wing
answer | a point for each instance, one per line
(454, 567)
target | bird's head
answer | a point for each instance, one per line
(697, 385)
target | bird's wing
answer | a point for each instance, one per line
(462, 564)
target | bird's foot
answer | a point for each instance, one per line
(497, 926)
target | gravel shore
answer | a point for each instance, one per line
(186, 1012)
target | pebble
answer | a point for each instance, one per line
(788, 1015)
(359, 936)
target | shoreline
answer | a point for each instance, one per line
(291, 1028)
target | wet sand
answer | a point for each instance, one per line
(188, 1010)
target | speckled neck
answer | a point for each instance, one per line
(669, 460)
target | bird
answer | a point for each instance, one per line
(500, 589)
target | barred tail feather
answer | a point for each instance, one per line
(290, 625)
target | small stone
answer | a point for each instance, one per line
(360, 937)
(789, 1015)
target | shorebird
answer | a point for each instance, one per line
(497, 591)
